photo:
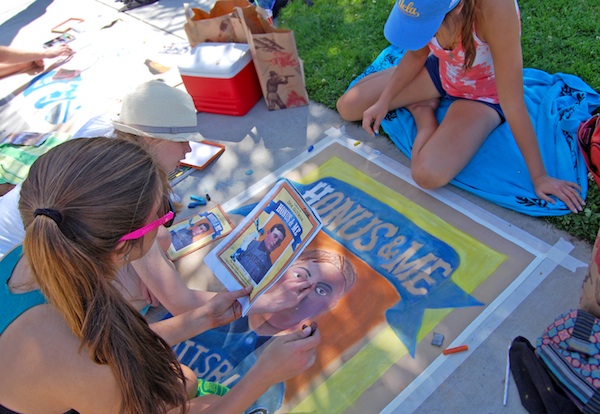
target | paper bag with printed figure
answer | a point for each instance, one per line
(279, 68)
(213, 26)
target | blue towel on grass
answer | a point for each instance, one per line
(557, 105)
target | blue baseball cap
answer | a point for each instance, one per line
(413, 23)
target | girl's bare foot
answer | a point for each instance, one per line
(430, 104)
(424, 114)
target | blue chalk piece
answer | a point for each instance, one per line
(312, 147)
(249, 172)
(200, 200)
(438, 339)
(195, 204)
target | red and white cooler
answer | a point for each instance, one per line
(221, 78)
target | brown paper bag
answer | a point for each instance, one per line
(214, 26)
(279, 68)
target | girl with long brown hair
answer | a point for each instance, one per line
(162, 120)
(69, 340)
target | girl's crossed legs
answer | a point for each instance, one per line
(441, 151)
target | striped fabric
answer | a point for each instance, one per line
(15, 160)
(570, 349)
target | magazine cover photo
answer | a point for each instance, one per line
(197, 231)
(265, 243)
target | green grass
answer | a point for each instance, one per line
(338, 39)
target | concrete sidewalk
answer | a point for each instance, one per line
(263, 141)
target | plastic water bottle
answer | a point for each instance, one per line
(265, 8)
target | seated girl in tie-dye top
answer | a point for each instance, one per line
(467, 51)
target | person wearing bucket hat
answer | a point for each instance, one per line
(162, 120)
(469, 53)
(160, 117)
(152, 279)
(66, 329)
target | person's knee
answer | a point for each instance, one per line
(341, 107)
(348, 109)
(428, 178)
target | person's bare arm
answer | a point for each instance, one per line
(13, 60)
(14, 55)
(223, 308)
(409, 67)
(161, 277)
(500, 28)
(285, 357)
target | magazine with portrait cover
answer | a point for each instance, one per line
(194, 232)
(259, 250)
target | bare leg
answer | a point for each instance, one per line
(454, 142)
(363, 94)
(367, 91)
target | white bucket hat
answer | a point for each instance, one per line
(155, 109)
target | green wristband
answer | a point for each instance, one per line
(208, 388)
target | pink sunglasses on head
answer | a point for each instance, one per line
(166, 220)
